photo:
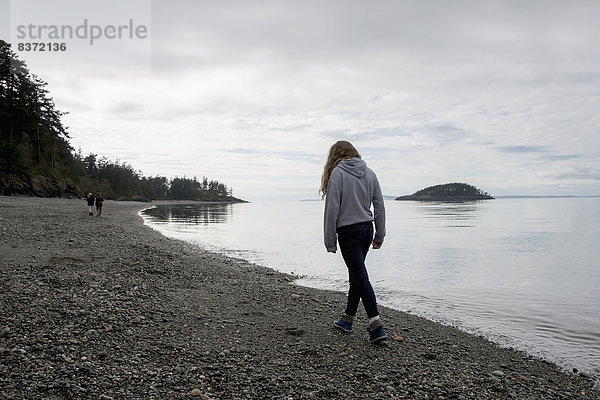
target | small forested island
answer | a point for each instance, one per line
(448, 192)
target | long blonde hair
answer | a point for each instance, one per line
(340, 150)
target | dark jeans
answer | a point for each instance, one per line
(355, 241)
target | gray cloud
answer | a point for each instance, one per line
(524, 149)
(562, 157)
(503, 92)
(580, 174)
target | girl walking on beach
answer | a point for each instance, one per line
(350, 188)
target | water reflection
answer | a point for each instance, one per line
(452, 212)
(190, 214)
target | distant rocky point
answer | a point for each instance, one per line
(448, 192)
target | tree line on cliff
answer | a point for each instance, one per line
(37, 159)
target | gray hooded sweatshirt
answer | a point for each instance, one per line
(351, 190)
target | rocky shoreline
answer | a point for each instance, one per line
(107, 308)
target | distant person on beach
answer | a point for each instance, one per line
(90, 203)
(99, 201)
(350, 188)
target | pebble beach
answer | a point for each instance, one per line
(107, 308)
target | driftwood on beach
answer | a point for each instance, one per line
(106, 307)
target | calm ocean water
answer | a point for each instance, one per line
(524, 273)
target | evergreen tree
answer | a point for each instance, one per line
(32, 136)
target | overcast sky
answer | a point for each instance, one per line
(504, 95)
